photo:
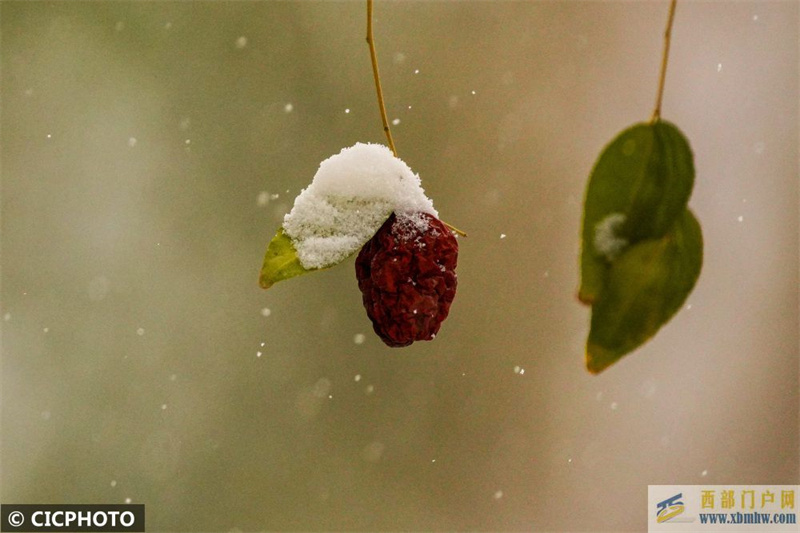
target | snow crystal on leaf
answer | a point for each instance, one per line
(352, 194)
(606, 236)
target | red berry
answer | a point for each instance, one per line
(407, 277)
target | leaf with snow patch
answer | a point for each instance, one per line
(645, 287)
(639, 185)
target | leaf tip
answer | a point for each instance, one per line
(598, 358)
(264, 282)
(585, 298)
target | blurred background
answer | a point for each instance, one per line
(151, 149)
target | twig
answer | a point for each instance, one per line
(374, 56)
(667, 36)
(455, 230)
(376, 74)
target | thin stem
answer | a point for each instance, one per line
(374, 56)
(376, 74)
(454, 229)
(667, 36)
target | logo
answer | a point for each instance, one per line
(718, 508)
(16, 519)
(78, 518)
(669, 508)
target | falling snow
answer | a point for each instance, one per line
(266, 311)
(359, 338)
(241, 42)
(140, 331)
(649, 388)
(322, 387)
(373, 452)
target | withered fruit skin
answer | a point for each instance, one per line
(407, 279)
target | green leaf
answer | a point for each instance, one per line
(643, 178)
(646, 285)
(280, 262)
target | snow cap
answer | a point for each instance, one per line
(351, 196)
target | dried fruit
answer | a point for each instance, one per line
(406, 274)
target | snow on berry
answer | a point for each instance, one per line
(406, 274)
(366, 198)
(352, 194)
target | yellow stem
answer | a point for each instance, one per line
(376, 74)
(665, 58)
(454, 229)
(374, 56)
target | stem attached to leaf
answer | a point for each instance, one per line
(454, 230)
(374, 56)
(667, 35)
(376, 74)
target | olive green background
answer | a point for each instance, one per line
(137, 138)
